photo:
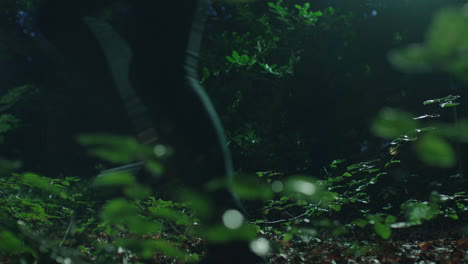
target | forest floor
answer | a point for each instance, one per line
(442, 248)
(448, 248)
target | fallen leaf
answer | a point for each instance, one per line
(426, 245)
(462, 243)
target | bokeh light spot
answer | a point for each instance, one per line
(260, 246)
(304, 187)
(277, 186)
(233, 219)
(160, 150)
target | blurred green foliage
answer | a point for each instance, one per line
(68, 218)
(445, 48)
(432, 145)
(392, 123)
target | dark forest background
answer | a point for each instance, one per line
(360, 102)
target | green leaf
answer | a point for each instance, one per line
(446, 99)
(220, 234)
(170, 214)
(202, 206)
(418, 211)
(119, 178)
(360, 222)
(390, 219)
(383, 230)
(230, 59)
(15, 94)
(318, 14)
(392, 162)
(436, 151)
(347, 174)
(453, 216)
(137, 191)
(154, 167)
(10, 244)
(137, 225)
(444, 48)
(115, 148)
(448, 104)
(42, 183)
(335, 207)
(244, 59)
(287, 237)
(8, 166)
(8, 122)
(251, 188)
(118, 211)
(410, 59)
(459, 131)
(235, 55)
(336, 162)
(113, 156)
(448, 34)
(392, 123)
